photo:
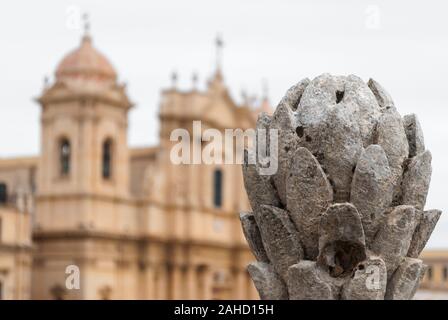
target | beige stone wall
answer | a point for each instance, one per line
(86, 127)
(436, 277)
(108, 268)
(15, 254)
(86, 212)
(152, 230)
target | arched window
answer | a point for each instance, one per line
(107, 159)
(445, 273)
(429, 273)
(217, 188)
(65, 156)
(3, 193)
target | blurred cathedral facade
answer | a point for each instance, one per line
(136, 225)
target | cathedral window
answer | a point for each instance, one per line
(429, 273)
(217, 188)
(3, 194)
(65, 156)
(107, 159)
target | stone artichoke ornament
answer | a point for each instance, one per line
(343, 215)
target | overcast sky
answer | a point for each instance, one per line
(402, 45)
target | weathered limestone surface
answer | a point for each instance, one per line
(382, 96)
(308, 194)
(372, 187)
(259, 188)
(294, 94)
(308, 281)
(416, 180)
(343, 216)
(280, 239)
(342, 242)
(414, 134)
(405, 280)
(342, 149)
(319, 96)
(360, 99)
(263, 123)
(423, 231)
(368, 281)
(287, 143)
(269, 285)
(253, 236)
(392, 138)
(394, 237)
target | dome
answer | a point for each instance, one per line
(87, 62)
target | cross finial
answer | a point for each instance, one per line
(265, 89)
(46, 82)
(194, 80)
(219, 46)
(86, 23)
(244, 96)
(174, 79)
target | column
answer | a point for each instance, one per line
(208, 285)
(149, 283)
(240, 288)
(192, 283)
(176, 283)
(161, 283)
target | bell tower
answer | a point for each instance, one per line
(84, 132)
(83, 175)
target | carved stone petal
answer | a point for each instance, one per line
(382, 96)
(268, 283)
(253, 236)
(423, 231)
(259, 188)
(319, 94)
(282, 120)
(416, 180)
(330, 127)
(368, 281)
(280, 239)
(311, 116)
(294, 94)
(308, 194)
(341, 242)
(405, 281)
(394, 236)
(283, 117)
(263, 123)
(372, 187)
(359, 98)
(287, 144)
(392, 138)
(307, 281)
(342, 149)
(414, 133)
